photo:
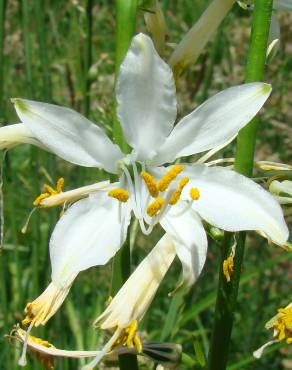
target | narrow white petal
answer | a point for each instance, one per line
(214, 122)
(195, 40)
(146, 97)
(135, 296)
(188, 234)
(89, 234)
(233, 202)
(12, 135)
(69, 134)
(283, 5)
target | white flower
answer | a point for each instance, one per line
(177, 196)
(132, 301)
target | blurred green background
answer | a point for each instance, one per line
(63, 52)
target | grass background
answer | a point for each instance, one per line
(49, 54)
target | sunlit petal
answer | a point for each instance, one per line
(233, 202)
(69, 134)
(146, 97)
(214, 122)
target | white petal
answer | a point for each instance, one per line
(12, 135)
(195, 40)
(214, 122)
(89, 234)
(188, 234)
(146, 97)
(69, 134)
(283, 4)
(233, 202)
(133, 299)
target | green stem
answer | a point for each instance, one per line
(126, 23)
(227, 292)
(125, 27)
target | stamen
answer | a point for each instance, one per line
(25, 226)
(150, 183)
(228, 268)
(195, 193)
(49, 191)
(283, 325)
(169, 177)
(129, 337)
(176, 195)
(154, 207)
(120, 194)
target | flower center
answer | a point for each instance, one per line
(49, 191)
(284, 324)
(129, 337)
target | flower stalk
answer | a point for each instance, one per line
(125, 28)
(227, 291)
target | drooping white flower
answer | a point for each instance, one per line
(132, 301)
(176, 196)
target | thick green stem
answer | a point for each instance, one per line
(126, 23)
(227, 292)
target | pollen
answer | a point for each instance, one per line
(166, 179)
(154, 207)
(150, 183)
(228, 268)
(283, 325)
(129, 337)
(49, 191)
(40, 341)
(176, 195)
(195, 193)
(120, 194)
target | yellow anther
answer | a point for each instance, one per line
(138, 343)
(194, 193)
(176, 195)
(60, 184)
(40, 341)
(228, 266)
(49, 191)
(30, 316)
(129, 337)
(131, 331)
(120, 194)
(150, 183)
(183, 182)
(154, 207)
(283, 324)
(169, 177)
